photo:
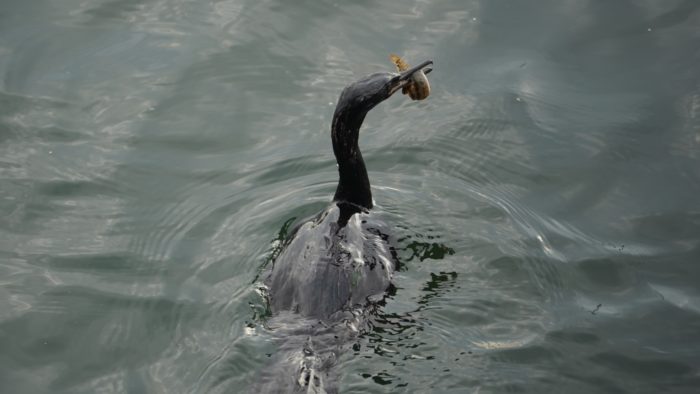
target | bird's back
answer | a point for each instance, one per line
(327, 266)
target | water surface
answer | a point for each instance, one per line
(545, 196)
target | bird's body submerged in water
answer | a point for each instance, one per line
(334, 266)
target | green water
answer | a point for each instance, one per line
(545, 196)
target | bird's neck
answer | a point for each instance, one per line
(353, 185)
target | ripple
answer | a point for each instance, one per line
(138, 332)
(607, 273)
(658, 368)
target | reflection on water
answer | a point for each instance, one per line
(426, 250)
(153, 155)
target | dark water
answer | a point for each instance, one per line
(545, 196)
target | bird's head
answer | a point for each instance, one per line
(361, 96)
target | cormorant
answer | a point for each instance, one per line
(330, 263)
(334, 267)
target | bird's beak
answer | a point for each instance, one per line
(404, 77)
(408, 73)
